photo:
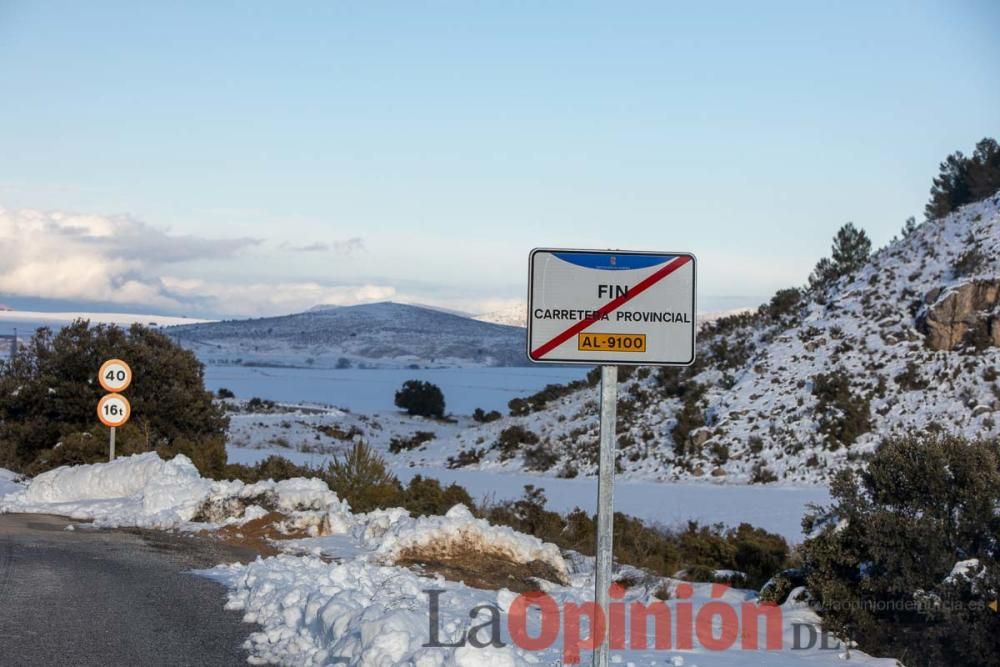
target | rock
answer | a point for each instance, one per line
(962, 315)
(699, 437)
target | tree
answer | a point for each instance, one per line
(421, 398)
(963, 180)
(880, 560)
(984, 170)
(909, 226)
(851, 248)
(50, 392)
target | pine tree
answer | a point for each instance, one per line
(851, 247)
(909, 226)
(984, 170)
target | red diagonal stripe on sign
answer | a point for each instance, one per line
(643, 285)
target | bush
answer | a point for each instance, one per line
(890, 540)
(513, 438)
(485, 417)
(969, 262)
(50, 392)
(425, 496)
(275, 467)
(225, 393)
(785, 302)
(399, 444)
(843, 416)
(421, 398)
(362, 478)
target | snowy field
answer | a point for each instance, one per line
(372, 390)
(778, 509)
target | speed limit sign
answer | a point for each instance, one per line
(115, 375)
(113, 410)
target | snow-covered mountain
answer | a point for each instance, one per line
(513, 316)
(383, 335)
(908, 343)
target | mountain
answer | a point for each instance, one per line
(909, 343)
(384, 335)
(513, 316)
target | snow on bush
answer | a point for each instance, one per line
(459, 533)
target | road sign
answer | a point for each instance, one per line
(113, 410)
(115, 375)
(611, 307)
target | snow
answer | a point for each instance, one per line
(373, 390)
(8, 483)
(459, 527)
(346, 600)
(145, 491)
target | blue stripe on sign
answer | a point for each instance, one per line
(609, 261)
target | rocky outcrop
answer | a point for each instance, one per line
(967, 314)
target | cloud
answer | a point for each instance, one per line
(346, 247)
(120, 259)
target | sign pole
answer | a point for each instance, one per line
(605, 504)
(112, 443)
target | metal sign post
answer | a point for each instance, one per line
(611, 308)
(113, 409)
(605, 501)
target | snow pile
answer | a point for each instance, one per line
(141, 490)
(7, 483)
(458, 532)
(146, 491)
(315, 612)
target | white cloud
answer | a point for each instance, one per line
(119, 259)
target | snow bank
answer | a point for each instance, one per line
(314, 612)
(141, 490)
(7, 483)
(146, 491)
(459, 530)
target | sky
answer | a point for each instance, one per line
(250, 158)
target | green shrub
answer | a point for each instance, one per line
(843, 415)
(362, 478)
(399, 444)
(891, 538)
(486, 417)
(425, 496)
(421, 398)
(50, 391)
(512, 439)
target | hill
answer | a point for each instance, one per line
(382, 335)
(803, 386)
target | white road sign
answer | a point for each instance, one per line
(611, 307)
(115, 375)
(113, 410)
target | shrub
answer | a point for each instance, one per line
(362, 478)
(466, 457)
(225, 393)
(425, 496)
(421, 398)
(485, 417)
(539, 457)
(399, 444)
(784, 302)
(890, 540)
(49, 392)
(273, 467)
(843, 416)
(969, 262)
(513, 438)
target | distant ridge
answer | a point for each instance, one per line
(379, 335)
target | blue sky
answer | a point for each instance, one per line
(248, 158)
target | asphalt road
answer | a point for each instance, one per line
(108, 598)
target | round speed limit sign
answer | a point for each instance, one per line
(115, 375)
(113, 410)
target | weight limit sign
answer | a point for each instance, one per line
(611, 307)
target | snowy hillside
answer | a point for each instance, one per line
(514, 316)
(378, 335)
(910, 342)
